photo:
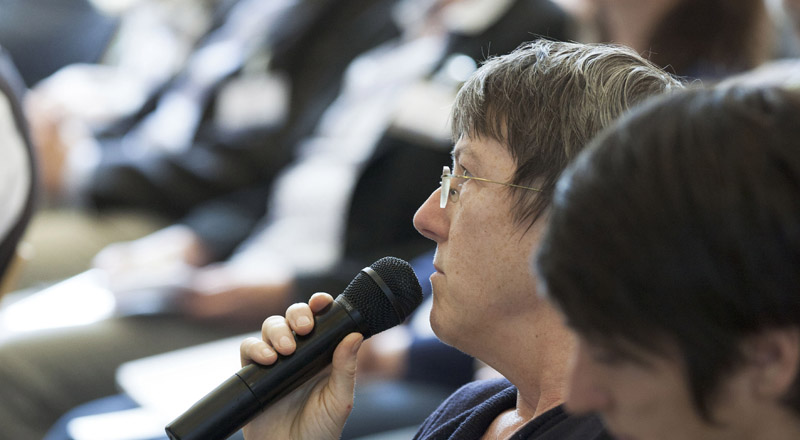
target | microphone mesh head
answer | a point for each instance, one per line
(366, 296)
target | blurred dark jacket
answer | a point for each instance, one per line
(219, 186)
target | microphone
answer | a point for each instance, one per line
(379, 297)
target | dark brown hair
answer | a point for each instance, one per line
(682, 224)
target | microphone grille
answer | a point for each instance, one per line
(379, 311)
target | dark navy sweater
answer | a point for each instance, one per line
(467, 414)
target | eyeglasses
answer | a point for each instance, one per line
(449, 193)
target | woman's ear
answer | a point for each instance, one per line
(773, 357)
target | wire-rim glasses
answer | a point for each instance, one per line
(449, 193)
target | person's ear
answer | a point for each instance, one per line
(773, 357)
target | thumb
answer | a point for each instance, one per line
(343, 375)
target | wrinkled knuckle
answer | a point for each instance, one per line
(274, 322)
(249, 343)
(297, 308)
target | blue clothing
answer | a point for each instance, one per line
(45, 35)
(468, 413)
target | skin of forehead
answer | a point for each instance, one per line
(465, 150)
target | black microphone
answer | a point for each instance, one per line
(379, 297)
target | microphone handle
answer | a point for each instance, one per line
(244, 395)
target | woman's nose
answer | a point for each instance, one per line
(431, 220)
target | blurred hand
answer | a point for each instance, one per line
(318, 409)
(175, 244)
(165, 260)
(52, 138)
(225, 291)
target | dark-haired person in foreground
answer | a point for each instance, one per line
(517, 123)
(674, 253)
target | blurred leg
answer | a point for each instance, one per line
(44, 375)
(119, 402)
(62, 242)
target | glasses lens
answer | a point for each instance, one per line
(445, 190)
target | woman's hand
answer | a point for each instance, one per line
(319, 408)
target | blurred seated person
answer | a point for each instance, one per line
(343, 202)
(516, 122)
(152, 42)
(200, 139)
(782, 71)
(686, 307)
(17, 177)
(697, 39)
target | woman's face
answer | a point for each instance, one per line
(482, 256)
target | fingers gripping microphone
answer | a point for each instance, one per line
(379, 297)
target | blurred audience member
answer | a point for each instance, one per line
(783, 71)
(199, 145)
(705, 39)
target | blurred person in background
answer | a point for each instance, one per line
(685, 307)
(784, 70)
(90, 64)
(195, 109)
(697, 39)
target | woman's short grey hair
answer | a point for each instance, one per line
(546, 100)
